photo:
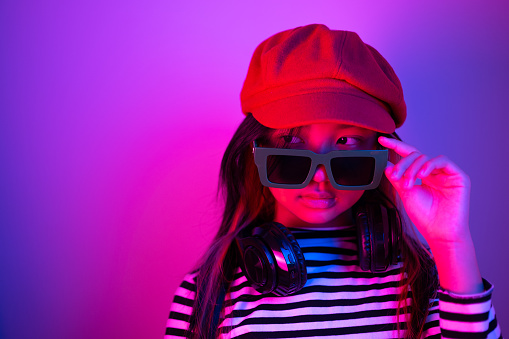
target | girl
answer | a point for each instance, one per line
(315, 239)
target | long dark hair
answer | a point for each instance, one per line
(246, 202)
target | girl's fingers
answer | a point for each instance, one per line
(406, 170)
(399, 169)
(412, 172)
(414, 165)
(399, 147)
(441, 163)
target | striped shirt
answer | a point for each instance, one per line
(339, 300)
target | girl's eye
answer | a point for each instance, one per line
(348, 141)
(291, 139)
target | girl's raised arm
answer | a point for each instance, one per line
(439, 208)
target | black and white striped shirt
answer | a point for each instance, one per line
(339, 300)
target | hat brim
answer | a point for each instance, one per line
(359, 109)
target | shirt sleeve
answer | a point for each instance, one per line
(180, 311)
(468, 316)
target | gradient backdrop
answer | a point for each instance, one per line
(114, 116)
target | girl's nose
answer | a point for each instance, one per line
(320, 174)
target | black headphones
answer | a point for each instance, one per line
(273, 262)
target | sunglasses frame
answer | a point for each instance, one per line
(261, 154)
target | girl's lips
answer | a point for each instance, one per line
(318, 195)
(318, 201)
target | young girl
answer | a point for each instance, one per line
(315, 240)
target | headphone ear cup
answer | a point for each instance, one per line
(363, 237)
(271, 259)
(296, 278)
(396, 234)
(378, 232)
(257, 263)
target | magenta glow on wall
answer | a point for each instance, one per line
(115, 116)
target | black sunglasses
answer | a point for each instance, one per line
(294, 168)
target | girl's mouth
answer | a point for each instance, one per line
(318, 201)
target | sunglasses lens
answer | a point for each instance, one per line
(353, 171)
(286, 169)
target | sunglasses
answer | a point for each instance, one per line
(294, 168)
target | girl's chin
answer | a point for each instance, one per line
(323, 217)
(316, 219)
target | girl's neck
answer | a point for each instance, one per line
(288, 219)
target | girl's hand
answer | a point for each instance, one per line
(439, 207)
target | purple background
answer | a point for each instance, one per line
(114, 116)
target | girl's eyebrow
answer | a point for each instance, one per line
(287, 131)
(282, 131)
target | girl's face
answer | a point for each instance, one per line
(319, 204)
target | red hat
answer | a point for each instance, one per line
(312, 74)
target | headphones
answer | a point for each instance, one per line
(273, 262)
